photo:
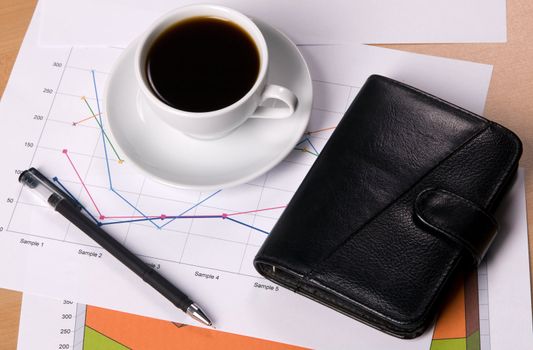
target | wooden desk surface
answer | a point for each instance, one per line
(510, 100)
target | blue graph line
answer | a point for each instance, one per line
(245, 224)
(56, 180)
(134, 207)
(302, 141)
(101, 125)
(146, 218)
(312, 146)
(191, 208)
(316, 153)
(172, 218)
(164, 218)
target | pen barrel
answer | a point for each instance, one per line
(167, 289)
(122, 254)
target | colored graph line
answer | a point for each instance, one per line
(101, 125)
(84, 119)
(191, 208)
(142, 217)
(254, 211)
(169, 217)
(56, 180)
(313, 147)
(319, 130)
(162, 217)
(304, 149)
(166, 217)
(173, 217)
(152, 218)
(100, 215)
(134, 218)
(245, 224)
(99, 115)
(310, 143)
(108, 168)
(65, 152)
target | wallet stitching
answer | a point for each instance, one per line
(339, 301)
(420, 213)
(358, 304)
(312, 271)
(347, 305)
(452, 263)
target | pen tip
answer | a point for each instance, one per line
(195, 312)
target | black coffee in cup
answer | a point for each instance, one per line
(202, 64)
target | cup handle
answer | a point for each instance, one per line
(278, 93)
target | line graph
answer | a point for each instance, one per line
(187, 235)
(89, 167)
(65, 152)
(97, 117)
(83, 120)
(300, 146)
(139, 218)
(320, 130)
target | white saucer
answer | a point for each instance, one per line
(176, 159)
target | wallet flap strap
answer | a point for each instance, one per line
(458, 219)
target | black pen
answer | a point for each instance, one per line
(71, 210)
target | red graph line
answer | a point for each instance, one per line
(65, 152)
(163, 216)
(134, 217)
(253, 211)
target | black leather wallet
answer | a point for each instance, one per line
(398, 202)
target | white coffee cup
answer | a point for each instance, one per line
(217, 123)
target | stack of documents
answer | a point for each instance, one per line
(48, 107)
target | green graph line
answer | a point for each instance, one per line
(120, 160)
(306, 151)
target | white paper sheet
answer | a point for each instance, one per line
(41, 253)
(509, 294)
(118, 22)
(505, 307)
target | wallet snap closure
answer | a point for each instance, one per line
(458, 219)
